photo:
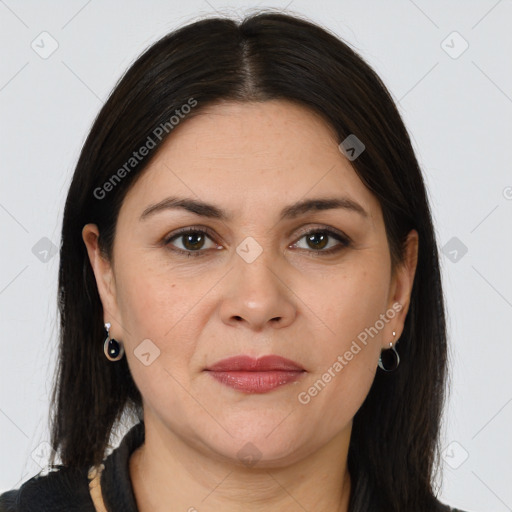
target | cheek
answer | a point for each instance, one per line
(160, 309)
(340, 383)
(157, 308)
(350, 301)
(153, 298)
(336, 399)
(351, 308)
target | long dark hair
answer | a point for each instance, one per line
(394, 452)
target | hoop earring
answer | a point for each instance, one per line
(389, 359)
(113, 349)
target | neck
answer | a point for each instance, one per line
(167, 472)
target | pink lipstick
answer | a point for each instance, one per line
(249, 375)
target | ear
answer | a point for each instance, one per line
(401, 287)
(104, 276)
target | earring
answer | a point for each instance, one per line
(389, 359)
(113, 349)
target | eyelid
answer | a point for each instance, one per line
(189, 229)
(323, 228)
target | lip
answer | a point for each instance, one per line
(250, 375)
(250, 364)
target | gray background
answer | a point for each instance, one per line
(456, 104)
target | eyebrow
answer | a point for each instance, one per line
(290, 212)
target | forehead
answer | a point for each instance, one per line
(259, 130)
(255, 154)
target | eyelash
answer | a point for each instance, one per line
(345, 240)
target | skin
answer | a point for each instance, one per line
(291, 301)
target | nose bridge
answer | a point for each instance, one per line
(255, 265)
(257, 293)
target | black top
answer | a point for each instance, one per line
(67, 490)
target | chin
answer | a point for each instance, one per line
(265, 448)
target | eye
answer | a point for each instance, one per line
(192, 241)
(318, 240)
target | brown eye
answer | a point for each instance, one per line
(192, 241)
(319, 239)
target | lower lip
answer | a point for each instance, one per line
(256, 382)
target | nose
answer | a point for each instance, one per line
(257, 295)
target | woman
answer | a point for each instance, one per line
(249, 270)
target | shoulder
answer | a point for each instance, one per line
(446, 508)
(64, 489)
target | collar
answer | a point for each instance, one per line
(116, 485)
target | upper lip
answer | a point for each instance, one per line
(250, 364)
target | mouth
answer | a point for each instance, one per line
(250, 375)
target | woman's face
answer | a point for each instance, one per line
(255, 284)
